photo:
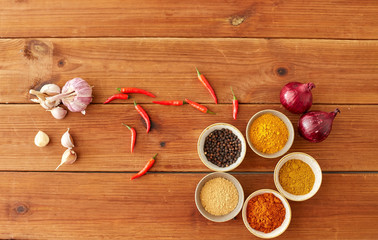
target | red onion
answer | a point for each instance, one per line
(315, 126)
(297, 97)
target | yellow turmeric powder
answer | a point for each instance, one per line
(296, 177)
(268, 134)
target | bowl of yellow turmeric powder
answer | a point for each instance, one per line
(297, 176)
(270, 133)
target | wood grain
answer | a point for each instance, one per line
(354, 19)
(103, 144)
(110, 206)
(343, 71)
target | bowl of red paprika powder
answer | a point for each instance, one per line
(266, 213)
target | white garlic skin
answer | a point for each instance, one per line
(82, 94)
(69, 157)
(58, 112)
(67, 140)
(50, 89)
(41, 139)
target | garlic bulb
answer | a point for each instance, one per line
(67, 140)
(50, 89)
(41, 139)
(76, 95)
(58, 112)
(69, 156)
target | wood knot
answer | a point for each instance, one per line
(33, 48)
(21, 209)
(281, 71)
(237, 20)
(162, 144)
(61, 63)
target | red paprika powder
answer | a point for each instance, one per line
(265, 212)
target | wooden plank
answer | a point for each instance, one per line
(109, 206)
(103, 144)
(343, 71)
(289, 19)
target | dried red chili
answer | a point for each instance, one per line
(135, 90)
(198, 106)
(235, 105)
(172, 102)
(147, 167)
(144, 115)
(207, 85)
(133, 136)
(117, 96)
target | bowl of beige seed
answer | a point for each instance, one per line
(219, 197)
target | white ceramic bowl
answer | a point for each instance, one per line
(276, 232)
(288, 124)
(201, 143)
(315, 168)
(226, 217)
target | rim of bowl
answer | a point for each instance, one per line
(233, 213)
(287, 215)
(212, 166)
(288, 124)
(315, 167)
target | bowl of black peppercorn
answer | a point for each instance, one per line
(221, 147)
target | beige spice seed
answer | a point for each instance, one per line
(219, 196)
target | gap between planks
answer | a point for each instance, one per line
(188, 172)
(183, 38)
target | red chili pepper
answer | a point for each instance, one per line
(144, 115)
(135, 90)
(146, 168)
(172, 102)
(117, 96)
(204, 81)
(133, 136)
(235, 105)
(198, 106)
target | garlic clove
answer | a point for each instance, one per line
(69, 157)
(41, 139)
(58, 112)
(47, 105)
(67, 140)
(50, 89)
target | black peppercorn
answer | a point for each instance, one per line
(222, 147)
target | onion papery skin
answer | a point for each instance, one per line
(315, 126)
(296, 97)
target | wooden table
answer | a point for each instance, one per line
(254, 46)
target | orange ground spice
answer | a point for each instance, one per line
(265, 212)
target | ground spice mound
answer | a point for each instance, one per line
(268, 134)
(296, 177)
(219, 196)
(265, 212)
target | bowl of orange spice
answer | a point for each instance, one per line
(270, 133)
(266, 213)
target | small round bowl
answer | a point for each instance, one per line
(276, 232)
(288, 124)
(201, 143)
(315, 168)
(226, 217)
